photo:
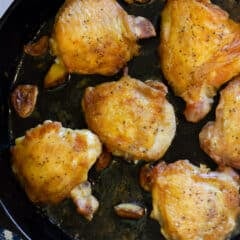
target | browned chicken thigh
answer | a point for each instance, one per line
(133, 119)
(50, 160)
(193, 203)
(97, 36)
(199, 51)
(221, 139)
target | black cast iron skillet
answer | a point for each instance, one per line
(25, 21)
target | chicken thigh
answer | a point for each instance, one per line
(97, 36)
(199, 51)
(193, 203)
(221, 139)
(50, 161)
(133, 119)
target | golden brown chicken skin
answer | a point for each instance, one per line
(193, 203)
(97, 36)
(51, 160)
(199, 51)
(221, 139)
(133, 119)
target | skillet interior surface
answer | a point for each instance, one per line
(26, 21)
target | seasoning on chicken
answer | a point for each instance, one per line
(50, 160)
(194, 203)
(221, 139)
(199, 51)
(133, 119)
(97, 36)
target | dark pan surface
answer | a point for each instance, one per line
(27, 21)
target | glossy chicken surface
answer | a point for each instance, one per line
(193, 203)
(133, 119)
(51, 160)
(199, 51)
(221, 139)
(97, 36)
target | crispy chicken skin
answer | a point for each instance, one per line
(221, 139)
(51, 160)
(199, 51)
(193, 203)
(133, 119)
(97, 36)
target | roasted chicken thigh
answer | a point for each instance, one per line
(221, 139)
(97, 36)
(50, 161)
(193, 203)
(199, 51)
(133, 119)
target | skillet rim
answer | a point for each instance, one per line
(23, 230)
(8, 212)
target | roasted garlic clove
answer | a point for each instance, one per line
(38, 48)
(24, 99)
(104, 160)
(129, 210)
(145, 177)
